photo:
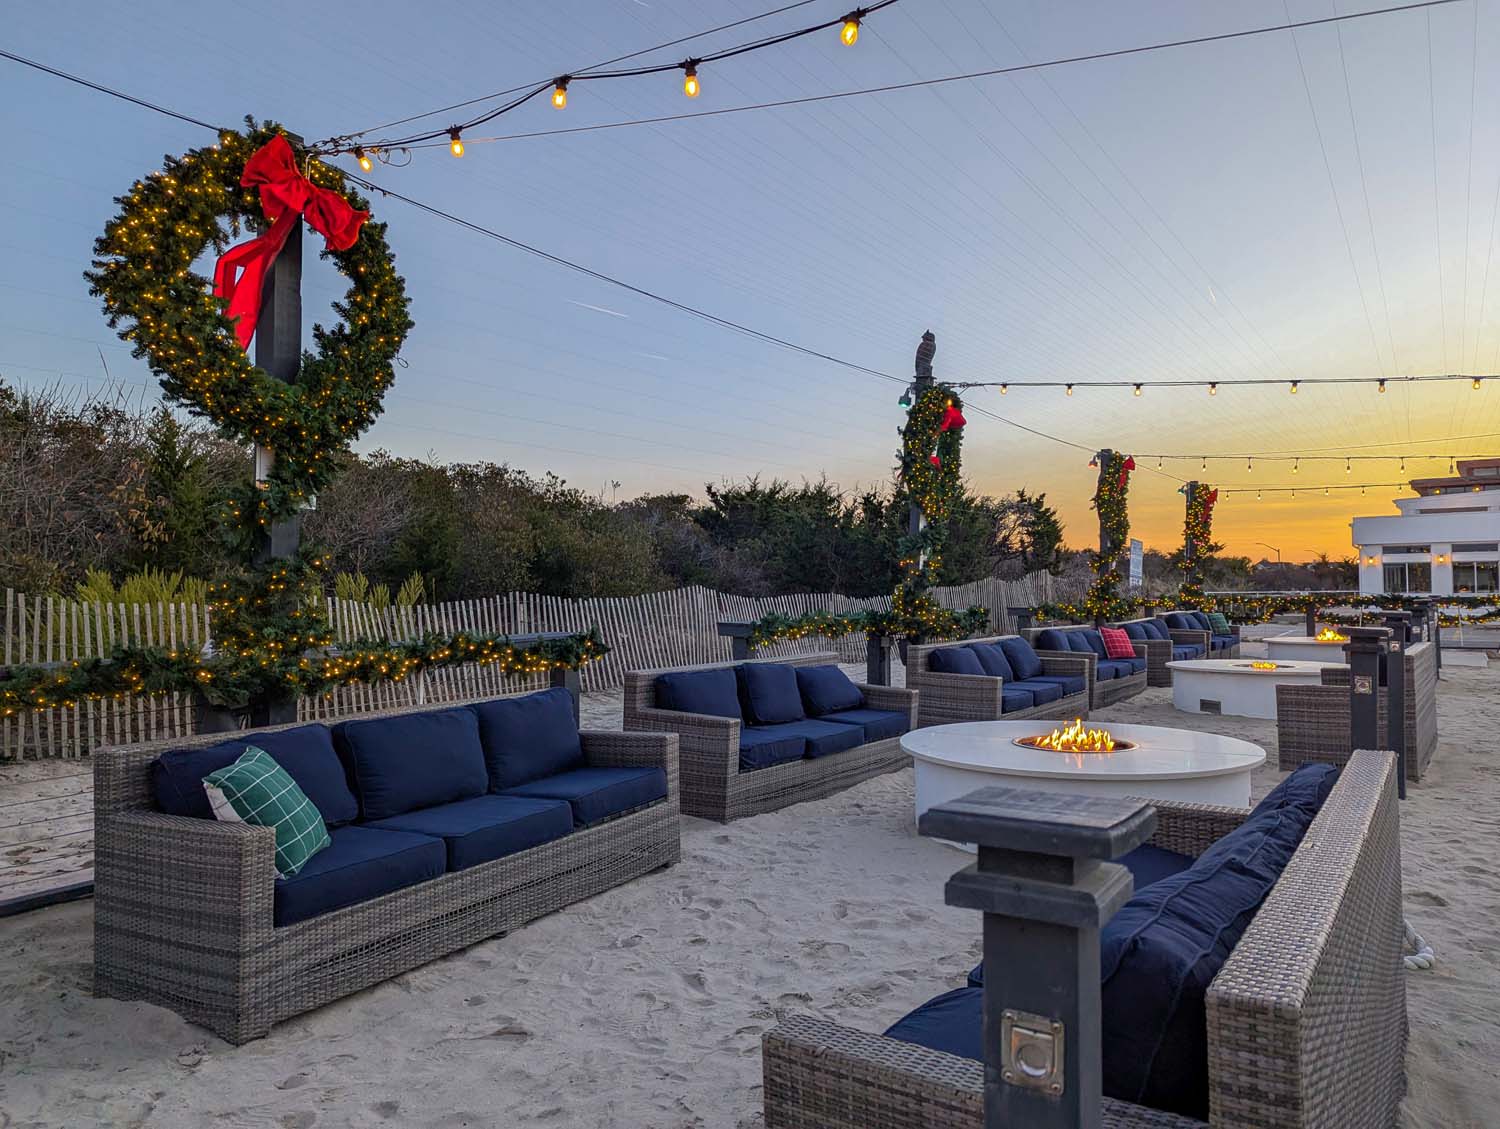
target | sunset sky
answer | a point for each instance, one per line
(1200, 213)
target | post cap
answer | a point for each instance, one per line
(1043, 823)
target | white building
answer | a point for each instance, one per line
(1445, 541)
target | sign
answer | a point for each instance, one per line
(1137, 562)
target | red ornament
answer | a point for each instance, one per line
(952, 418)
(285, 196)
(1125, 468)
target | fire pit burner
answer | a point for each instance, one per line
(1075, 738)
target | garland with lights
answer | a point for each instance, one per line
(1260, 609)
(1103, 601)
(1197, 540)
(942, 624)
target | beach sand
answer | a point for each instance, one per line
(644, 1006)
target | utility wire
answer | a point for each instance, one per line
(113, 93)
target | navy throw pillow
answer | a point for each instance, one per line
(529, 737)
(1023, 659)
(993, 660)
(954, 660)
(827, 689)
(769, 694)
(714, 692)
(414, 760)
(1053, 639)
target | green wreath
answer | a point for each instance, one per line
(144, 274)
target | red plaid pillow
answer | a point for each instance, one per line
(1117, 644)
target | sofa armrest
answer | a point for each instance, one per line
(1068, 662)
(709, 742)
(1192, 828)
(1190, 637)
(892, 698)
(614, 749)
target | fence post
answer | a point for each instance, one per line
(878, 660)
(1024, 617)
(1365, 652)
(1312, 621)
(1045, 884)
(739, 638)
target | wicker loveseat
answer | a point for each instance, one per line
(1306, 1021)
(1313, 722)
(1110, 680)
(189, 912)
(719, 778)
(948, 697)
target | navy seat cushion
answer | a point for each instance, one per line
(1053, 639)
(1041, 692)
(306, 753)
(415, 760)
(1183, 651)
(993, 660)
(1012, 699)
(1087, 641)
(596, 794)
(358, 864)
(954, 660)
(827, 689)
(877, 725)
(1070, 683)
(486, 827)
(820, 735)
(763, 747)
(951, 1022)
(1137, 631)
(528, 737)
(1022, 657)
(715, 692)
(769, 693)
(1202, 620)
(1227, 640)
(1137, 663)
(1116, 668)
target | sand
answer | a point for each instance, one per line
(644, 1006)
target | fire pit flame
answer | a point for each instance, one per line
(1329, 635)
(1075, 738)
(1263, 665)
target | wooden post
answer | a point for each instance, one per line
(1189, 546)
(739, 638)
(1365, 652)
(916, 520)
(878, 660)
(1399, 624)
(1108, 550)
(1312, 621)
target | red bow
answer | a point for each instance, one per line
(952, 418)
(934, 460)
(1125, 468)
(1213, 497)
(285, 195)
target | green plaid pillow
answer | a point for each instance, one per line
(1221, 624)
(257, 790)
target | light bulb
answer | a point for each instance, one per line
(1381, 386)
(1213, 388)
(849, 33)
(455, 144)
(1294, 387)
(1257, 495)
(1004, 388)
(1475, 385)
(1249, 466)
(1205, 463)
(1347, 467)
(690, 80)
(560, 94)
(1137, 389)
(1296, 465)
(364, 159)
(1070, 390)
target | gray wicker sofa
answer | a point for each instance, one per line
(1306, 1021)
(187, 909)
(946, 698)
(1163, 646)
(1109, 680)
(717, 785)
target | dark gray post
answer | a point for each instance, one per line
(1437, 631)
(1044, 882)
(1312, 621)
(1025, 618)
(572, 682)
(1108, 550)
(739, 639)
(1364, 653)
(1399, 624)
(926, 350)
(878, 660)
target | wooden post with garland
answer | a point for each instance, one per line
(916, 520)
(1110, 493)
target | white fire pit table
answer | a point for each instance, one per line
(1304, 648)
(1165, 764)
(1236, 686)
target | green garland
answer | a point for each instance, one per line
(1260, 609)
(944, 624)
(1103, 600)
(1197, 542)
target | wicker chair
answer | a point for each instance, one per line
(183, 906)
(948, 698)
(1306, 1023)
(1102, 691)
(714, 787)
(1158, 655)
(1313, 722)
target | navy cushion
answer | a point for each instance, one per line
(827, 689)
(950, 1022)
(1070, 683)
(1137, 631)
(1227, 640)
(715, 692)
(1180, 621)
(1086, 640)
(769, 694)
(878, 725)
(1023, 659)
(598, 793)
(1012, 699)
(1156, 629)
(1183, 651)
(306, 753)
(1306, 789)
(359, 863)
(954, 660)
(821, 735)
(486, 827)
(1202, 620)
(1116, 668)
(528, 737)
(763, 747)
(414, 760)
(993, 660)
(1053, 639)
(1041, 692)
(1137, 663)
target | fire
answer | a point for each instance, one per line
(1329, 635)
(1075, 739)
(1262, 665)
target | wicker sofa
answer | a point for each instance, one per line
(716, 785)
(1219, 646)
(1306, 1021)
(1110, 680)
(1313, 722)
(946, 698)
(1163, 646)
(189, 912)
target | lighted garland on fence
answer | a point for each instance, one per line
(1197, 541)
(1260, 609)
(941, 624)
(1103, 601)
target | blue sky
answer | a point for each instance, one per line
(1164, 215)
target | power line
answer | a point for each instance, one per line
(113, 93)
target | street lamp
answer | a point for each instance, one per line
(1273, 549)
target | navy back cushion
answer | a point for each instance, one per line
(827, 689)
(1137, 631)
(993, 660)
(1181, 621)
(769, 693)
(527, 738)
(1088, 641)
(306, 752)
(1053, 639)
(954, 660)
(415, 760)
(715, 692)
(1156, 629)
(1022, 658)
(1201, 620)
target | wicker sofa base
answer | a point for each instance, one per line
(1111, 690)
(724, 799)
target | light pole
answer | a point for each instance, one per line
(1275, 550)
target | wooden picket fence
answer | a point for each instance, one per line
(656, 629)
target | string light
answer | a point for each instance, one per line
(1294, 386)
(1137, 389)
(690, 79)
(455, 144)
(1348, 466)
(1476, 384)
(1070, 390)
(363, 158)
(1004, 388)
(1381, 386)
(1249, 466)
(849, 33)
(1213, 387)
(560, 94)
(1205, 462)
(1296, 465)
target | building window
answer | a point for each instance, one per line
(1413, 577)
(1476, 576)
(1414, 550)
(1476, 547)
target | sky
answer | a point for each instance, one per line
(1284, 206)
